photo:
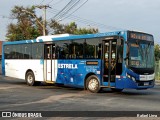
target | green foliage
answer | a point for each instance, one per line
(26, 26)
(70, 28)
(29, 26)
(157, 52)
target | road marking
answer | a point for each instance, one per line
(5, 88)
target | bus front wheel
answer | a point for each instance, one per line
(92, 84)
(30, 79)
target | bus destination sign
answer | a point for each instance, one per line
(140, 36)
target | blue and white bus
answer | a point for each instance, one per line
(116, 60)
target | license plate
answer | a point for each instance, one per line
(146, 83)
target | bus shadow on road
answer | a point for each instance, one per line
(135, 92)
(59, 87)
(131, 92)
(126, 92)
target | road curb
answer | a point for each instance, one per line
(157, 82)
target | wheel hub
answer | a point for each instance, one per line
(93, 84)
(30, 79)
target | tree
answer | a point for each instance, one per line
(70, 28)
(157, 52)
(26, 27)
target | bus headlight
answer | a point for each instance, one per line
(128, 76)
(131, 77)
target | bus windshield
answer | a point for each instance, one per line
(141, 55)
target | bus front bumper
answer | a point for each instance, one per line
(136, 84)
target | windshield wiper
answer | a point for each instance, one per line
(148, 48)
(147, 52)
(141, 52)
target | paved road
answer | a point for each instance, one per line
(15, 95)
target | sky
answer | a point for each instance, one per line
(106, 15)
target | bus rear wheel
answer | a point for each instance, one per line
(30, 79)
(92, 84)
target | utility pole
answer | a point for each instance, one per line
(44, 7)
(34, 17)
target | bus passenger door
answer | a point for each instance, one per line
(109, 64)
(50, 64)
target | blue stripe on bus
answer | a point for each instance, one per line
(3, 60)
(19, 42)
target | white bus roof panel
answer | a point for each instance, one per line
(50, 37)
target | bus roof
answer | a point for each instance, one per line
(85, 36)
(60, 37)
(50, 37)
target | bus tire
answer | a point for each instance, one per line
(116, 90)
(92, 84)
(30, 79)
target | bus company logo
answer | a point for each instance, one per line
(23, 114)
(6, 114)
(68, 66)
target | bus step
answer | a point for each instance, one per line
(50, 82)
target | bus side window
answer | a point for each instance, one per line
(62, 54)
(62, 50)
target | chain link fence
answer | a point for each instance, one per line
(157, 70)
